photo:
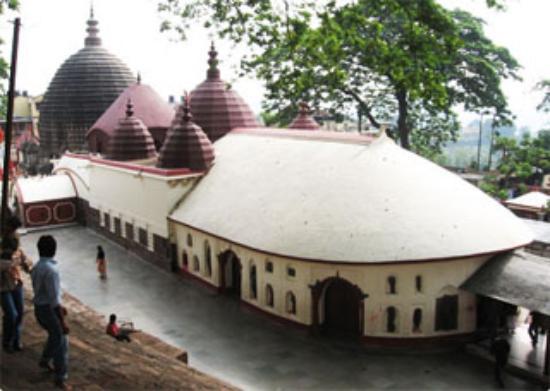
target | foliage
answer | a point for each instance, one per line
(521, 163)
(13, 5)
(544, 86)
(397, 61)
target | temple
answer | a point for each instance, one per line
(325, 231)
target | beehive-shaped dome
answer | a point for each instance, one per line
(186, 145)
(81, 90)
(304, 120)
(131, 140)
(216, 108)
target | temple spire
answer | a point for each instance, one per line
(92, 39)
(129, 108)
(187, 117)
(213, 71)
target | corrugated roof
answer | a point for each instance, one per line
(516, 277)
(45, 188)
(322, 196)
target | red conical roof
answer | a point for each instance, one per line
(148, 105)
(186, 145)
(216, 108)
(304, 120)
(131, 140)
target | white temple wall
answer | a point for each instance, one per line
(139, 198)
(438, 278)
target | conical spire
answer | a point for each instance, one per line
(92, 39)
(129, 108)
(213, 72)
(304, 120)
(186, 145)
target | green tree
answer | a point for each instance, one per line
(522, 163)
(4, 67)
(544, 105)
(391, 60)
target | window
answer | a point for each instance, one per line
(290, 303)
(160, 244)
(391, 315)
(392, 282)
(269, 295)
(196, 264)
(118, 227)
(129, 231)
(269, 266)
(208, 258)
(253, 283)
(189, 240)
(446, 313)
(107, 221)
(184, 259)
(291, 272)
(417, 320)
(418, 283)
(143, 237)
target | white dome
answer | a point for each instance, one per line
(335, 197)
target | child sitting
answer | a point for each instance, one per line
(119, 333)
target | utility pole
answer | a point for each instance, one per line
(489, 163)
(9, 123)
(479, 142)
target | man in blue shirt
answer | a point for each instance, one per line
(48, 310)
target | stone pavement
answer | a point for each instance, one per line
(243, 348)
(97, 361)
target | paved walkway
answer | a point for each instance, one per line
(241, 347)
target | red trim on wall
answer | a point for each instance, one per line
(60, 205)
(275, 317)
(442, 341)
(426, 260)
(136, 167)
(187, 274)
(33, 208)
(146, 169)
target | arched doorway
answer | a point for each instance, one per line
(341, 305)
(230, 273)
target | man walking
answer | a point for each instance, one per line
(48, 310)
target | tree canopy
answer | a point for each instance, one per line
(408, 63)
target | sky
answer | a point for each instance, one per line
(55, 29)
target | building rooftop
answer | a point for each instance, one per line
(325, 196)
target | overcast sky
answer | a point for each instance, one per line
(54, 29)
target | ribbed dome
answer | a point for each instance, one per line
(131, 140)
(304, 120)
(186, 145)
(81, 90)
(216, 108)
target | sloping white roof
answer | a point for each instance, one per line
(319, 197)
(78, 168)
(46, 188)
(534, 199)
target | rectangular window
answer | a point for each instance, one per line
(269, 267)
(118, 228)
(107, 221)
(129, 231)
(143, 237)
(160, 245)
(291, 272)
(418, 283)
(446, 313)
